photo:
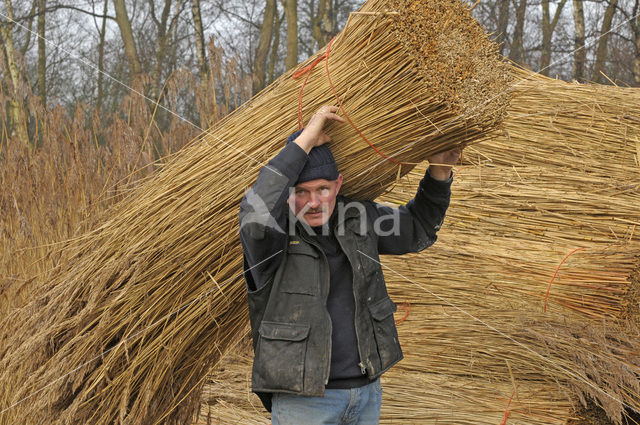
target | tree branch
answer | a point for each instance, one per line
(240, 17)
(62, 6)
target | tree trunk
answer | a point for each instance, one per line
(207, 104)
(516, 53)
(503, 21)
(291, 13)
(636, 59)
(636, 64)
(601, 54)
(103, 30)
(127, 38)
(580, 53)
(323, 25)
(274, 49)
(28, 31)
(16, 114)
(161, 27)
(42, 57)
(329, 24)
(266, 34)
(548, 26)
(201, 54)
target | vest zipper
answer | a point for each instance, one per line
(363, 368)
(327, 286)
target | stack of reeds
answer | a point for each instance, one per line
(531, 289)
(552, 205)
(136, 311)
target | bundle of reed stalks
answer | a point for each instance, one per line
(136, 311)
(528, 305)
(534, 279)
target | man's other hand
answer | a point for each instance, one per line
(440, 164)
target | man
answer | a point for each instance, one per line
(322, 321)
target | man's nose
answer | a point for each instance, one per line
(314, 201)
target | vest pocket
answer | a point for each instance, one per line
(301, 273)
(384, 329)
(280, 353)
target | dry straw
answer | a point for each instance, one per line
(136, 311)
(563, 178)
(565, 174)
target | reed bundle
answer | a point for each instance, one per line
(478, 341)
(136, 311)
(550, 206)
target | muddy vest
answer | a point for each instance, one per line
(291, 326)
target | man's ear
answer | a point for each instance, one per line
(339, 183)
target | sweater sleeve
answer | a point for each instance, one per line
(264, 215)
(414, 226)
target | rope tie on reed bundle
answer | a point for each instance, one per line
(307, 70)
(407, 309)
(507, 412)
(554, 276)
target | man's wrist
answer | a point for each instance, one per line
(439, 173)
(305, 142)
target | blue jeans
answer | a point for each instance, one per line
(356, 406)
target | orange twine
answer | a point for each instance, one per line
(506, 412)
(554, 276)
(299, 73)
(407, 309)
(307, 70)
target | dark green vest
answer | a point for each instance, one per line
(290, 324)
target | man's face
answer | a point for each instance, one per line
(314, 201)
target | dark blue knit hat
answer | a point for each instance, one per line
(320, 165)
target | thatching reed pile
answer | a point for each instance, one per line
(551, 206)
(563, 178)
(136, 311)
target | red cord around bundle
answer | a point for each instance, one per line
(506, 412)
(307, 70)
(554, 276)
(299, 73)
(407, 309)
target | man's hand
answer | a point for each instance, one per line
(312, 135)
(441, 163)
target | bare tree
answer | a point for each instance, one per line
(516, 53)
(273, 59)
(503, 21)
(266, 34)
(102, 35)
(601, 54)
(635, 29)
(164, 28)
(580, 52)
(42, 55)
(29, 19)
(324, 23)
(127, 38)
(201, 54)
(630, 15)
(291, 14)
(15, 112)
(548, 26)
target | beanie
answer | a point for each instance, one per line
(320, 165)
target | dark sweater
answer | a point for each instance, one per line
(344, 372)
